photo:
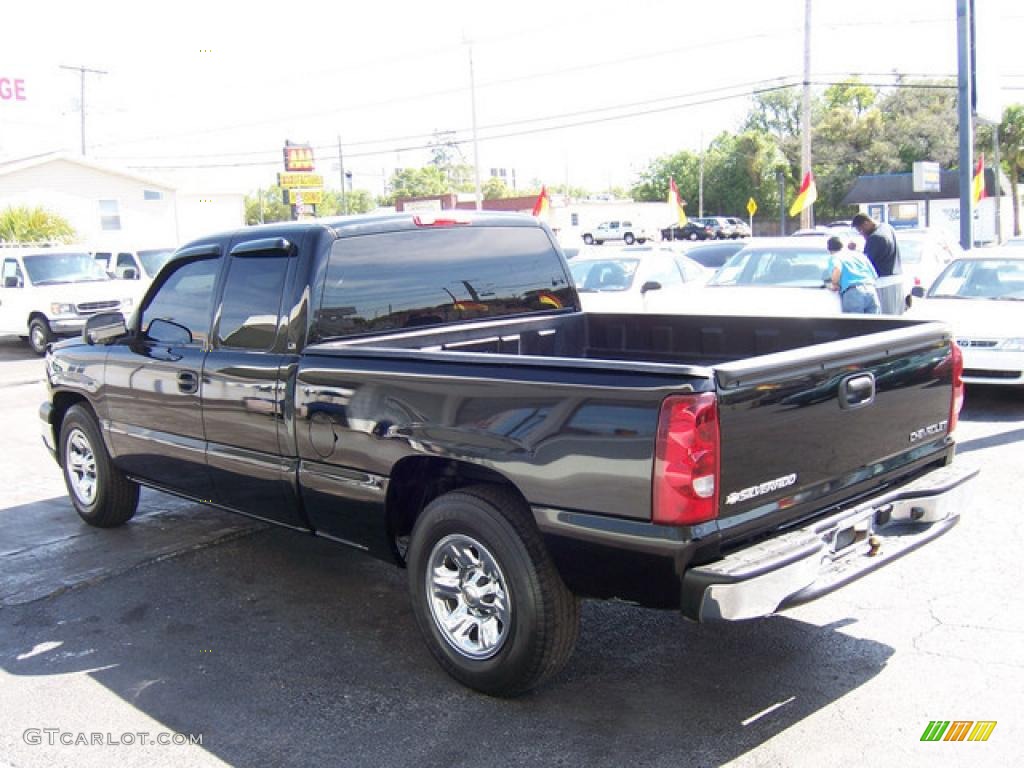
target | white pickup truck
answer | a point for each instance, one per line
(47, 293)
(616, 230)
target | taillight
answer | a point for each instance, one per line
(957, 401)
(686, 460)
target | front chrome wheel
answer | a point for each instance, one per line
(468, 596)
(81, 467)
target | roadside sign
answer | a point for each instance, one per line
(298, 157)
(295, 180)
(751, 206)
(927, 177)
(303, 196)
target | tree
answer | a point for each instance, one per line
(1011, 151)
(418, 182)
(271, 208)
(356, 201)
(654, 181)
(495, 189)
(22, 224)
(920, 123)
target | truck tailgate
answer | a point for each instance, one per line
(802, 430)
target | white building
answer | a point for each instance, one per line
(111, 208)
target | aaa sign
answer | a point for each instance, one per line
(12, 90)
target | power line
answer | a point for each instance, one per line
(511, 134)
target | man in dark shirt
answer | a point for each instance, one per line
(879, 245)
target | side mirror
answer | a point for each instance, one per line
(104, 327)
(650, 285)
(917, 292)
(168, 332)
(130, 274)
(11, 281)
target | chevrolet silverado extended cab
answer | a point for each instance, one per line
(426, 390)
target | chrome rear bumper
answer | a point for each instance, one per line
(801, 565)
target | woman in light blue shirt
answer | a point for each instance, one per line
(854, 278)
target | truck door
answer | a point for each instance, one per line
(151, 396)
(243, 385)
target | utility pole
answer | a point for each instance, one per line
(341, 167)
(964, 101)
(81, 71)
(998, 192)
(476, 145)
(700, 178)
(807, 214)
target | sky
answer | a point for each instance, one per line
(206, 93)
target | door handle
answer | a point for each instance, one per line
(857, 391)
(188, 382)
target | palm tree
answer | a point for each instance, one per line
(21, 224)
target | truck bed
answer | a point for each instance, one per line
(784, 415)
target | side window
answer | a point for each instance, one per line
(401, 280)
(125, 261)
(13, 271)
(183, 303)
(252, 301)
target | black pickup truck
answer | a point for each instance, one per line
(426, 389)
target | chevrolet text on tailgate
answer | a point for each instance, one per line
(426, 390)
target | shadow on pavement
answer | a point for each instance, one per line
(281, 648)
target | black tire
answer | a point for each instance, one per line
(599, 242)
(629, 238)
(641, 240)
(83, 457)
(588, 239)
(39, 335)
(543, 616)
(693, 236)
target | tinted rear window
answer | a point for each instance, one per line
(385, 282)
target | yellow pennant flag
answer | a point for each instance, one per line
(808, 194)
(676, 203)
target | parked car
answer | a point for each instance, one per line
(721, 229)
(609, 231)
(981, 296)
(47, 293)
(426, 391)
(924, 253)
(714, 255)
(624, 280)
(694, 229)
(771, 277)
(740, 228)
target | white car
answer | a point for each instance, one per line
(627, 279)
(771, 277)
(981, 296)
(924, 253)
(47, 293)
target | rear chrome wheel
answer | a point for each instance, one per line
(486, 595)
(469, 599)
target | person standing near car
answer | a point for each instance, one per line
(853, 277)
(879, 245)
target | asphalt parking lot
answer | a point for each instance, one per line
(278, 648)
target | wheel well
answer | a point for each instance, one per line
(62, 401)
(33, 315)
(418, 480)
